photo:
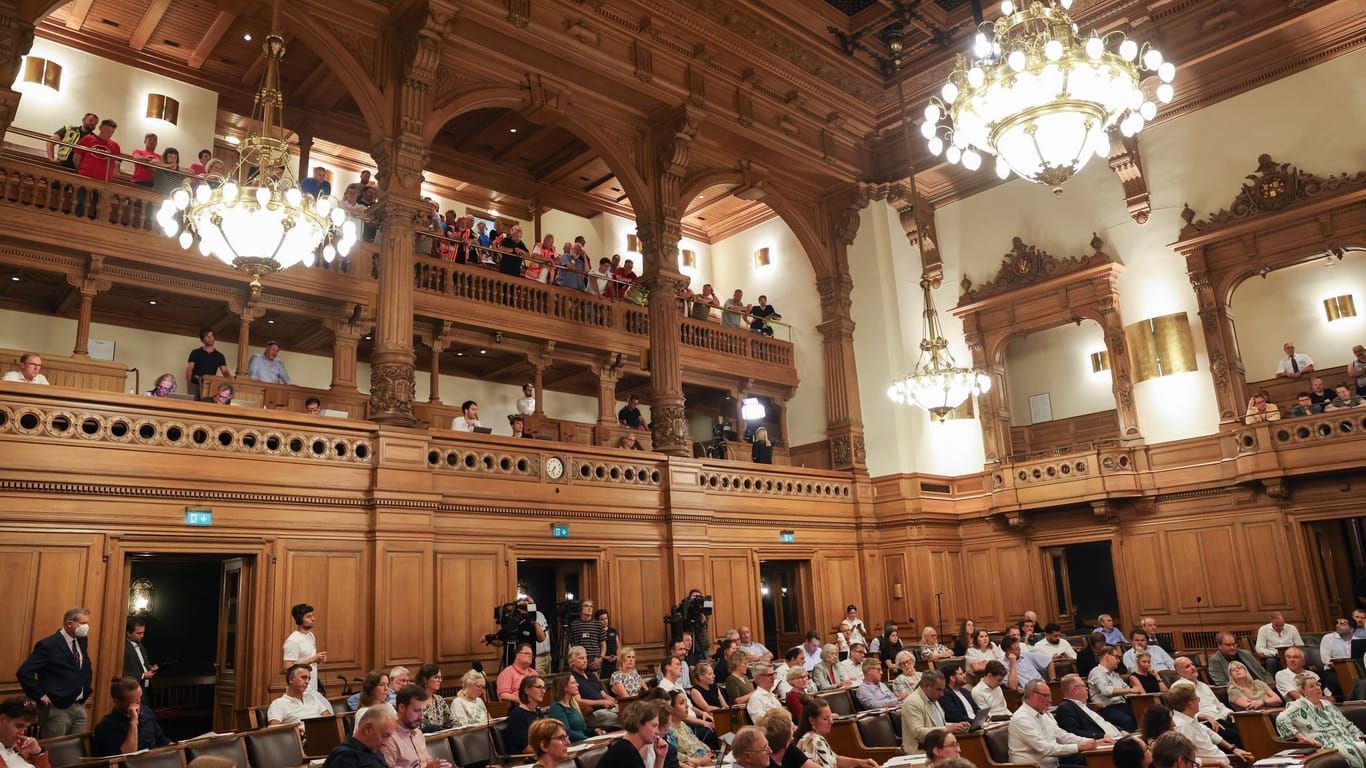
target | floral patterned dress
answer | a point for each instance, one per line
(1326, 725)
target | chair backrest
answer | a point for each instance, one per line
(262, 716)
(65, 751)
(1064, 667)
(1356, 712)
(1168, 676)
(841, 703)
(232, 748)
(497, 731)
(1313, 658)
(166, 757)
(323, 734)
(998, 744)
(276, 747)
(589, 757)
(472, 748)
(438, 746)
(876, 731)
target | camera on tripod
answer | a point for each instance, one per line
(690, 615)
(516, 623)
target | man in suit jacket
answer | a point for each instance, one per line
(1075, 716)
(57, 675)
(136, 663)
(957, 701)
(921, 713)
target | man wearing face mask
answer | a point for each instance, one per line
(57, 675)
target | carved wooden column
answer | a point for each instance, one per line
(994, 404)
(609, 373)
(89, 284)
(844, 414)
(346, 336)
(16, 38)
(1121, 377)
(1225, 362)
(659, 243)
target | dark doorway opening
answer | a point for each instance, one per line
(556, 587)
(784, 597)
(1340, 565)
(1082, 581)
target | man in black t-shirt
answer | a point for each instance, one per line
(629, 415)
(613, 643)
(205, 361)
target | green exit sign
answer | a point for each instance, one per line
(558, 531)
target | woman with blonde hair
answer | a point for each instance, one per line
(762, 452)
(1246, 691)
(467, 707)
(626, 682)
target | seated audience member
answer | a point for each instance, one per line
(130, 727)
(629, 415)
(941, 747)
(852, 667)
(143, 174)
(761, 452)
(888, 645)
(1228, 651)
(30, 370)
(814, 725)
(798, 683)
(967, 631)
(778, 729)
(316, 185)
(1144, 676)
(549, 743)
(630, 443)
(1212, 710)
(510, 676)
(1035, 737)
(1075, 715)
(1088, 658)
(213, 172)
(1272, 635)
(626, 681)
(1131, 752)
(467, 707)
(1054, 645)
(691, 750)
(1345, 399)
(267, 366)
(374, 728)
(1140, 643)
(1023, 666)
(700, 724)
(763, 699)
(204, 360)
(1294, 669)
(224, 394)
(164, 386)
(468, 418)
(921, 713)
(591, 693)
(1305, 406)
(1258, 409)
(752, 646)
(872, 693)
(1172, 750)
(519, 427)
(313, 406)
(931, 649)
(1247, 692)
(1338, 643)
(438, 713)
(1356, 368)
(707, 694)
(200, 167)
(1293, 366)
(826, 672)
(1319, 394)
(905, 683)
(17, 716)
(165, 179)
(1156, 721)
(564, 706)
(97, 153)
(297, 702)
(763, 315)
(1108, 630)
(407, 748)
(377, 688)
(1209, 746)
(987, 694)
(957, 701)
(1110, 691)
(671, 674)
(1315, 721)
(530, 692)
(982, 651)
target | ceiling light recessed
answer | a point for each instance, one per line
(247, 37)
(483, 351)
(699, 197)
(512, 130)
(459, 354)
(152, 302)
(15, 278)
(270, 322)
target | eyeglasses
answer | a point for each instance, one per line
(561, 737)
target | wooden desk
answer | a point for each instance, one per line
(1258, 731)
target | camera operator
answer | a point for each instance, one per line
(692, 615)
(519, 623)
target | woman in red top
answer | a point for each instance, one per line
(98, 164)
(144, 174)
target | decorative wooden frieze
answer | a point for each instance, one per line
(744, 108)
(1272, 187)
(519, 13)
(1026, 265)
(697, 86)
(643, 60)
(1128, 166)
(579, 31)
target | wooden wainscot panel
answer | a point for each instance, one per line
(837, 584)
(1145, 562)
(1274, 588)
(642, 599)
(1187, 571)
(1014, 578)
(691, 573)
(984, 605)
(333, 577)
(896, 574)
(735, 579)
(73, 372)
(404, 594)
(468, 580)
(45, 575)
(946, 576)
(1225, 582)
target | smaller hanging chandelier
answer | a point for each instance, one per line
(256, 218)
(1040, 97)
(937, 383)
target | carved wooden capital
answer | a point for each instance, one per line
(1128, 166)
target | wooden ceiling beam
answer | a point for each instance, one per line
(79, 10)
(561, 164)
(212, 37)
(519, 142)
(148, 24)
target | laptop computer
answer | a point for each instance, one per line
(335, 414)
(483, 430)
(980, 720)
(181, 396)
(1358, 648)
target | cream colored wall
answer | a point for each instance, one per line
(117, 91)
(1288, 306)
(498, 401)
(790, 284)
(1057, 362)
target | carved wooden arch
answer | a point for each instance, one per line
(618, 152)
(753, 178)
(1281, 216)
(1034, 291)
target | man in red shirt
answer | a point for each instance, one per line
(143, 174)
(90, 162)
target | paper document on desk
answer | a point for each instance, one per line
(905, 760)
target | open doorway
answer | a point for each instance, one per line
(193, 613)
(1341, 564)
(784, 596)
(557, 588)
(1081, 581)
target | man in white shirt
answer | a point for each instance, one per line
(301, 647)
(1293, 366)
(1109, 690)
(1294, 667)
(1276, 634)
(30, 363)
(811, 649)
(987, 694)
(763, 699)
(1035, 737)
(1338, 643)
(1141, 642)
(1185, 705)
(468, 418)
(1053, 645)
(298, 702)
(850, 671)
(679, 650)
(17, 715)
(1212, 710)
(754, 648)
(526, 404)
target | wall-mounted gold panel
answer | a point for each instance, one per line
(1161, 346)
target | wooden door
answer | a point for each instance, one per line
(1059, 586)
(229, 673)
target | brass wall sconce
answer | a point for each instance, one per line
(1100, 361)
(42, 72)
(1339, 307)
(163, 107)
(632, 243)
(761, 258)
(1160, 346)
(688, 259)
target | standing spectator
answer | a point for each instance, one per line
(202, 167)
(135, 659)
(1293, 365)
(588, 632)
(703, 302)
(165, 179)
(30, 367)
(266, 366)
(205, 360)
(301, 647)
(565, 265)
(69, 136)
(145, 174)
(623, 277)
(629, 415)
(316, 185)
(57, 675)
(130, 727)
(514, 251)
(365, 181)
(1356, 369)
(526, 404)
(761, 452)
(764, 314)
(613, 642)
(97, 153)
(734, 309)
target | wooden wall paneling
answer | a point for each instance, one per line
(332, 577)
(1187, 571)
(1225, 583)
(946, 575)
(735, 587)
(467, 591)
(895, 571)
(984, 605)
(1274, 588)
(691, 572)
(403, 594)
(837, 584)
(1145, 570)
(1015, 579)
(45, 575)
(641, 601)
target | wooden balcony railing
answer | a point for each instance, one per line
(735, 341)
